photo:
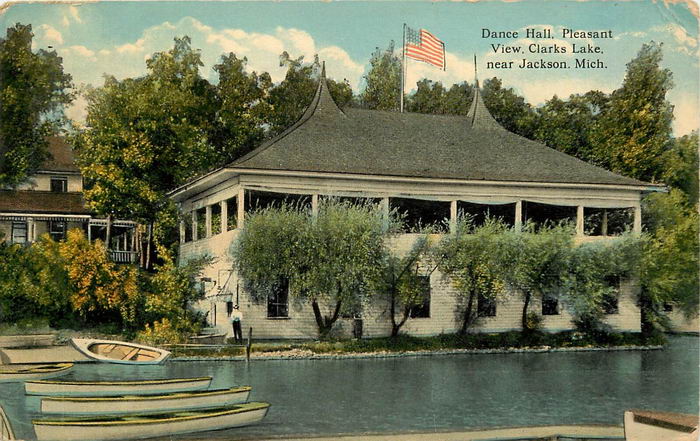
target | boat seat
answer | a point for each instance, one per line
(131, 354)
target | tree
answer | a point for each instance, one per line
(383, 81)
(568, 125)
(241, 109)
(145, 136)
(471, 258)
(332, 259)
(33, 91)
(289, 99)
(670, 257)
(536, 261)
(431, 97)
(635, 128)
(508, 108)
(680, 166)
(587, 282)
(402, 282)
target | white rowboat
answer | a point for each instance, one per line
(112, 351)
(115, 388)
(144, 403)
(24, 372)
(149, 425)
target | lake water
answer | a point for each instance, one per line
(323, 397)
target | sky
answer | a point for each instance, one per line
(97, 38)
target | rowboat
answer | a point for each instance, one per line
(6, 432)
(115, 388)
(24, 372)
(149, 425)
(144, 403)
(646, 425)
(112, 351)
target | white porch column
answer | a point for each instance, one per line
(224, 216)
(89, 232)
(453, 216)
(314, 205)
(579, 220)
(183, 233)
(194, 225)
(384, 205)
(31, 232)
(207, 220)
(604, 223)
(518, 215)
(637, 228)
(241, 208)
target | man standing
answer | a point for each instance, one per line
(236, 317)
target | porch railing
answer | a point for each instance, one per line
(123, 256)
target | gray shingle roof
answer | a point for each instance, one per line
(359, 141)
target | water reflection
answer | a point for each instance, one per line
(427, 393)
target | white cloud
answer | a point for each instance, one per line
(687, 114)
(50, 34)
(65, 22)
(261, 49)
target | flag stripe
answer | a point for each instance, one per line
(424, 46)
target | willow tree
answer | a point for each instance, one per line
(331, 260)
(471, 258)
(536, 261)
(402, 281)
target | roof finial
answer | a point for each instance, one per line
(323, 69)
(476, 76)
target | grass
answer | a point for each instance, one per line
(405, 343)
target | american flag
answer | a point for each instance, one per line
(424, 46)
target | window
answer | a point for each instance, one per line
(277, 302)
(19, 232)
(609, 302)
(485, 306)
(59, 184)
(550, 305)
(423, 310)
(57, 230)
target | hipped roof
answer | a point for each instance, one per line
(61, 157)
(372, 142)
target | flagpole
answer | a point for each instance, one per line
(403, 66)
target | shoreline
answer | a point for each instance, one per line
(298, 354)
(577, 431)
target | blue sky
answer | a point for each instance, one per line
(117, 37)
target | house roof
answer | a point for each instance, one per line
(371, 142)
(43, 202)
(61, 157)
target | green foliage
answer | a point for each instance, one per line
(383, 81)
(472, 258)
(145, 136)
(536, 260)
(680, 166)
(242, 107)
(402, 280)
(332, 259)
(508, 108)
(670, 255)
(592, 267)
(431, 97)
(289, 99)
(635, 127)
(568, 125)
(33, 89)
